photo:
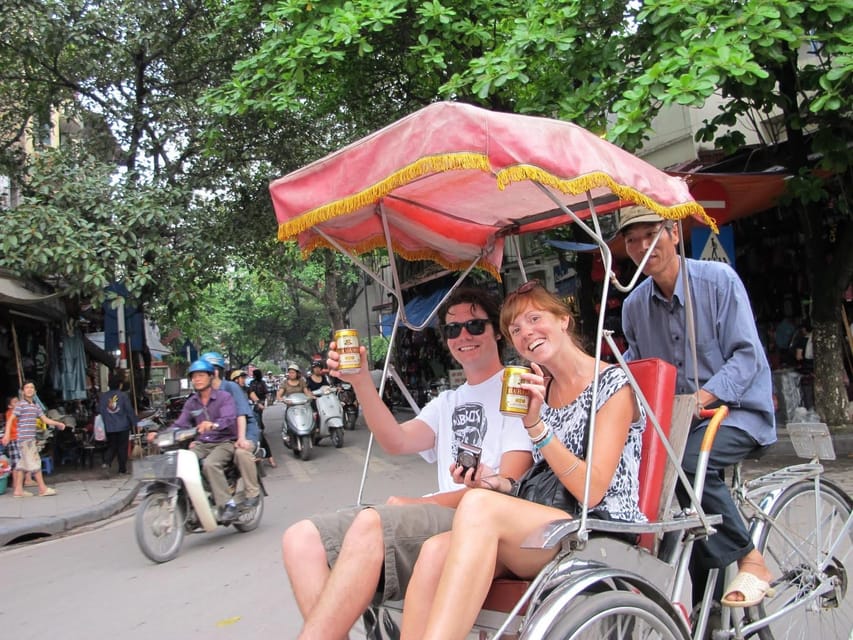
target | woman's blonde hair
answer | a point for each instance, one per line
(534, 293)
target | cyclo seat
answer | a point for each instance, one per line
(656, 380)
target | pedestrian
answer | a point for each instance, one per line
(119, 418)
(490, 526)
(10, 434)
(732, 370)
(27, 412)
(372, 550)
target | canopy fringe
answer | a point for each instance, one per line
(590, 181)
(374, 193)
(424, 254)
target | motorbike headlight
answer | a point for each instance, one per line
(182, 435)
(165, 438)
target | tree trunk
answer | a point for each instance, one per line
(829, 273)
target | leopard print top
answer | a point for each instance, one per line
(569, 425)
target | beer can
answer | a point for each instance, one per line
(515, 401)
(346, 341)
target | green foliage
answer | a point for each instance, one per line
(378, 348)
(761, 57)
(248, 316)
(127, 78)
(361, 57)
(83, 227)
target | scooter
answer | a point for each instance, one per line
(350, 404)
(176, 500)
(302, 428)
(298, 423)
(331, 415)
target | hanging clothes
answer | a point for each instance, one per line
(74, 367)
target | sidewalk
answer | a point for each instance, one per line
(82, 497)
(90, 495)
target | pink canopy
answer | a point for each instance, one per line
(453, 180)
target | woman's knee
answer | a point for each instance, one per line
(434, 551)
(478, 506)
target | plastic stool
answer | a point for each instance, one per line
(47, 465)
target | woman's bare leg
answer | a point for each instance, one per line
(486, 538)
(422, 586)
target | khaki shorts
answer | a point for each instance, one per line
(30, 458)
(404, 528)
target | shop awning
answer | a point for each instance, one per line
(730, 196)
(15, 293)
(417, 310)
(95, 352)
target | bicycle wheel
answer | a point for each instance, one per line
(794, 549)
(615, 615)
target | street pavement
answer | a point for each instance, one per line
(86, 496)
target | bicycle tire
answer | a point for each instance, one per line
(794, 577)
(615, 615)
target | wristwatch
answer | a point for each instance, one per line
(215, 425)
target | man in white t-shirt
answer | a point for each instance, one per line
(372, 551)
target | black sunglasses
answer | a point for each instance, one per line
(475, 327)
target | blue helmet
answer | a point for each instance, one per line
(200, 365)
(213, 358)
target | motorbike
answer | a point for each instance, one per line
(350, 404)
(302, 428)
(176, 500)
(330, 414)
(174, 406)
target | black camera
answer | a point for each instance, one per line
(468, 457)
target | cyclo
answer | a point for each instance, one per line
(454, 183)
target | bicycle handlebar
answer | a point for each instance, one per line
(717, 416)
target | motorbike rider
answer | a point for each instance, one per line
(239, 376)
(248, 432)
(214, 413)
(258, 387)
(317, 379)
(293, 383)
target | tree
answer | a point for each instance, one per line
(591, 62)
(124, 200)
(156, 189)
(785, 62)
(248, 316)
(84, 228)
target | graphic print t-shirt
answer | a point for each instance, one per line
(471, 414)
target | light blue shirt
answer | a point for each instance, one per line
(253, 431)
(731, 361)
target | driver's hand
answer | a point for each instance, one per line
(151, 436)
(207, 425)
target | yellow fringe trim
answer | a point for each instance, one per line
(575, 186)
(318, 242)
(374, 193)
(467, 161)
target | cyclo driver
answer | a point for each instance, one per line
(214, 413)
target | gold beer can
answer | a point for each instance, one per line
(346, 341)
(515, 401)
